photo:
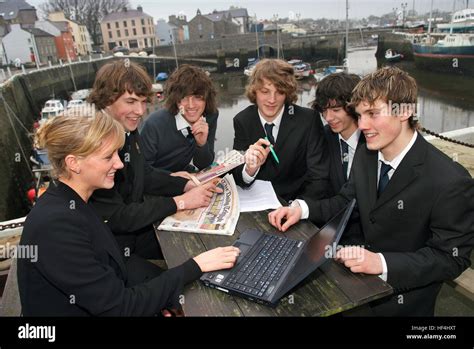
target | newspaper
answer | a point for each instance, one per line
(220, 217)
(224, 165)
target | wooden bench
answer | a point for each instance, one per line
(464, 283)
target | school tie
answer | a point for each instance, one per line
(383, 180)
(190, 136)
(268, 131)
(344, 157)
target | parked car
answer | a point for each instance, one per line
(122, 49)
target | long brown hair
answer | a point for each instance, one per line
(189, 80)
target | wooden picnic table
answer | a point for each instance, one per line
(329, 290)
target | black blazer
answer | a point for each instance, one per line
(425, 214)
(80, 270)
(353, 232)
(300, 146)
(165, 147)
(141, 195)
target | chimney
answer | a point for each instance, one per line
(139, 8)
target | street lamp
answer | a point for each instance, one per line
(256, 34)
(275, 18)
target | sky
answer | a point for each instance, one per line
(265, 9)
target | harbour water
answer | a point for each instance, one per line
(438, 110)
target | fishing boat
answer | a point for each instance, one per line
(453, 54)
(461, 22)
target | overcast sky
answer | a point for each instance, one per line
(285, 8)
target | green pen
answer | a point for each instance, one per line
(273, 152)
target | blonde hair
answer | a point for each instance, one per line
(79, 135)
(279, 73)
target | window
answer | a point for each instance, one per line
(111, 45)
(108, 25)
(118, 33)
(133, 43)
(144, 30)
(134, 32)
(126, 32)
(125, 24)
(133, 22)
(116, 24)
(143, 21)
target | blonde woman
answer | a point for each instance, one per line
(80, 270)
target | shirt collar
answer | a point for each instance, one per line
(276, 121)
(398, 159)
(353, 139)
(181, 122)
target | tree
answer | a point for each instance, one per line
(86, 12)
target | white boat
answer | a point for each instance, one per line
(302, 69)
(392, 56)
(461, 22)
(10, 234)
(81, 94)
(251, 66)
(74, 103)
(52, 108)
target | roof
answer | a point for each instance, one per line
(125, 15)
(37, 32)
(215, 17)
(218, 15)
(9, 9)
(62, 26)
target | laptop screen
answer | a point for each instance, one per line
(320, 247)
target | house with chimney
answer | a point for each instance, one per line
(133, 29)
(211, 26)
(63, 38)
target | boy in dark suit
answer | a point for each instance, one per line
(301, 163)
(141, 195)
(332, 102)
(416, 205)
(332, 98)
(185, 130)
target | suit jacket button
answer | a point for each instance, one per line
(372, 220)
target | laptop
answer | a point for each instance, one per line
(269, 266)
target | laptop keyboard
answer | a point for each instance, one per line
(262, 267)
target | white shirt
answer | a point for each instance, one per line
(394, 163)
(277, 122)
(352, 142)
(182, 124)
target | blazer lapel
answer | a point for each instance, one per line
(287, 124)
(405, 173)
(335, 148)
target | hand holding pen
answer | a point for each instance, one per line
(256, 156)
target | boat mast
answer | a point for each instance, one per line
(256, 36)
(347, 31)
(429, 22)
